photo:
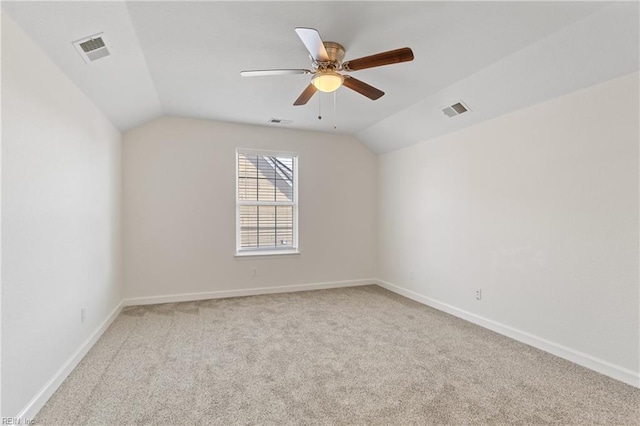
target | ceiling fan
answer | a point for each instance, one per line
(326, 58)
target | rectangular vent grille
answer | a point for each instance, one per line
(91, 45)
(92, 48)
(455, 109)
(280, 121)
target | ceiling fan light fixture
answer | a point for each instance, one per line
(327, 81)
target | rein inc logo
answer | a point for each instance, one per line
(16, 421)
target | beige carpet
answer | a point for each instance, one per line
(360, 355)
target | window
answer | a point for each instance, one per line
(266, 203)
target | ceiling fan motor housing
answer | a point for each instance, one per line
(334, 50)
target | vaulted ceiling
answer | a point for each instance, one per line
(184, 59)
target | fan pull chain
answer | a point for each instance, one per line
(319, 106)
(335, 95)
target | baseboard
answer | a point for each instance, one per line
(38, 401)
(189, 297)
(577, 357)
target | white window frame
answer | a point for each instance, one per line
(268, 251)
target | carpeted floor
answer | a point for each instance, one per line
(358, 355)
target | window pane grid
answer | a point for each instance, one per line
(266, 202)
(265, 178)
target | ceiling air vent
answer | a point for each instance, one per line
(92, 48)
(280, 121)
(455, 109)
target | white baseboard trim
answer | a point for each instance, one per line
(220, 294)
(577, 357)
(38, 401)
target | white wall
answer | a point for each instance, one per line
(539, 208)
(60, 219)
(179, 208)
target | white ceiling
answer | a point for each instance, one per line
(184, 59)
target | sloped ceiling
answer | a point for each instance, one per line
(184, 59)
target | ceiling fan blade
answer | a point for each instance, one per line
(379, 59)
(312, 41)
(261, 73)
(306, 95)
(362, 88)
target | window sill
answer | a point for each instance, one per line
(267, 253)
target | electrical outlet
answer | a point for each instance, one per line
(82, 315)
(254, 272)
(478, 294)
